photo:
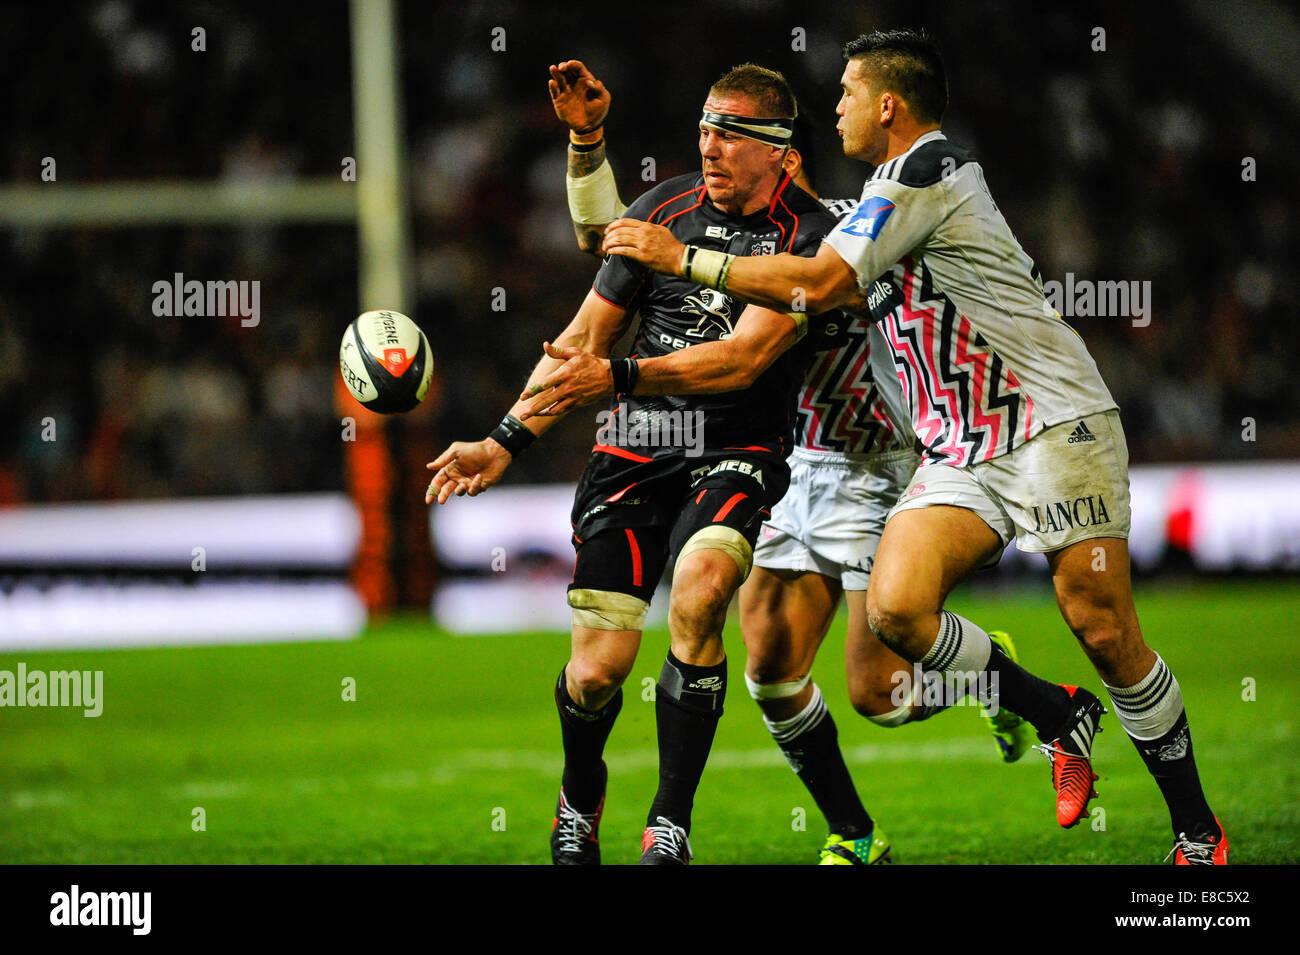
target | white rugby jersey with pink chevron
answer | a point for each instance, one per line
(984, 361)
(966, 405)
(841, 407)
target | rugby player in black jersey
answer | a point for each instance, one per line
(851, 460)
(681, 479)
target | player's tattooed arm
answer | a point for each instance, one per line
(581, 102)
(581, 165)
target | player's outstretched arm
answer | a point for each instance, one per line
(471, 467)
(729, 364)
(780, 282)
(582, 103)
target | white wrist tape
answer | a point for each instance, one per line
(593, 199)
(706, 266)
(800, 324)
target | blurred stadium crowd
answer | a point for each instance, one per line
(1122, 164)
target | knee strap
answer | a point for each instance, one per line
(899, 715)
(726, 539)
(776, 691)
(607, 610)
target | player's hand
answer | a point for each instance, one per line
(644, 242)
(580, 100)
(467, 467)
(582, 379)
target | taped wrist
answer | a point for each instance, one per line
(706, 266)
(512, 435)
(593, 199)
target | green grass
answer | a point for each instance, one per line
(450, 752)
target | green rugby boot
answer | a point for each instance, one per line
(872, 849)
(1014, 735)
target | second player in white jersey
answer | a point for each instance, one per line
(986, 363)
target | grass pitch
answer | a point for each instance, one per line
(450, 752)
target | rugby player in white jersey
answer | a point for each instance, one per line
(849, 464)
(1022, 439)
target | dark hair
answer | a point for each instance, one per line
(906, 62)
(805, 131)
(767, 88)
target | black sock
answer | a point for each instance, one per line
(584, 733)
(688, 704)
(1045, 705)
(811, 746)
(1155, 705)
(1169, 759)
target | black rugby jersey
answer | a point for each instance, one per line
(676, 313)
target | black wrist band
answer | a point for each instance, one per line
(589, 129)
(512, 435)
(626, 372)
(586, 147)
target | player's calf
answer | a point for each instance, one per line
(693, 684)
(810, 742)
(892, 707)
(1096, 601)
(592, 683)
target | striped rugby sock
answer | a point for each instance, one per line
(811, 746)
(1151, 712)
(962, 647)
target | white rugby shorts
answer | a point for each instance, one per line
(831, 518)
(1066, 484)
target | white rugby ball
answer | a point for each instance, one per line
(386, 361)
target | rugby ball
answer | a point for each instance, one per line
(386, 362)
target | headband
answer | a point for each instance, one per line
(773, 130)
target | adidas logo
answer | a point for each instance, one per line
(1080, 435)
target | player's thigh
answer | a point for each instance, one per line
(872, 670)
(784, 616)
(711, 544)
(614, 579)
(924, 553)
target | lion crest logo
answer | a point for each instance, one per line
(714, 309)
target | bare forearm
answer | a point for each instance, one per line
(709, 368)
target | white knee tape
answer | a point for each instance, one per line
(607, 610)
(899, 715)
(726, 539)
(893, 718)
(775, 691)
